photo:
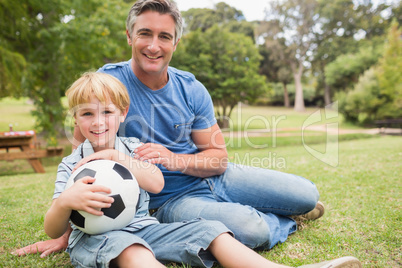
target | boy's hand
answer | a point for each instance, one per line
(86, 197)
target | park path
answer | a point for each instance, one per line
(312, 130)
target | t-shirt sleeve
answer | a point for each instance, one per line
(63, 174)
(131, 143)
(203, 108)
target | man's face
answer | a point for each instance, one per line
(152, 43)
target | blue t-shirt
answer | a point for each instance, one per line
(166, 116)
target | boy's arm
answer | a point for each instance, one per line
(81, 196)
(149, 176)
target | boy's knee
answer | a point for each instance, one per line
(251, 229)
(134, 256)
(255, 235)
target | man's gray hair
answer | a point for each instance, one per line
(162, 7)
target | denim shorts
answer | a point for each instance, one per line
(182, 242)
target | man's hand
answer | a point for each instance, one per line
(158, 154)
(43, 247)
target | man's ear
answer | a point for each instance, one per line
(128, 38)
(175, 45)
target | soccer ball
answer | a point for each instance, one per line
(124, 190)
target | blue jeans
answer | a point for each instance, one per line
(252, 202)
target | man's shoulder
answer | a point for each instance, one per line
(181, 74)
(113, 66)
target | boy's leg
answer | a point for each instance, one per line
(231, 253)
(103, 250)
(136, 256)
(183, 242)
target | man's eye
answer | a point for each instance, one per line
(144, 34)
(166, 37)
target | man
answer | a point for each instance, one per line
(172, 114)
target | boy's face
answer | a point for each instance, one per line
(152, 42)
(99, 122)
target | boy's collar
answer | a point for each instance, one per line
(87, 148)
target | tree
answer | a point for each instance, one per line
(337, 20)
(226, 63)
(378, 93)
(344, 72)
(222, 14)
(55, 41)
(276, 70)
(294, 22)
(390, 75)
(344, 26)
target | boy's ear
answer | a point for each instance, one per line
(124, 115)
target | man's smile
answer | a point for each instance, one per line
(152, 57)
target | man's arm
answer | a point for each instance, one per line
(211, 160)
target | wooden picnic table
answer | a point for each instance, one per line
(11, 141)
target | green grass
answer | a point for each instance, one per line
(262, 117)
(362, 197)
(17, 113)
(362, 193)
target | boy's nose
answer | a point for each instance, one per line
(99, 121)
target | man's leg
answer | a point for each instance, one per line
(250, 226)
(265, 190)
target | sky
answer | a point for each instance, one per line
(252, 9)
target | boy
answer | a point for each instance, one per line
(99, 103)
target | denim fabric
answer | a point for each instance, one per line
(181, 242)
(252, 202)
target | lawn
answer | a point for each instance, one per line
(361, 191)
(362, 196)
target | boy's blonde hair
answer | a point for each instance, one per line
(104, 86)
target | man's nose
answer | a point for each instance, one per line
(153, 46)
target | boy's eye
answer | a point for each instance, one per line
(87, 114)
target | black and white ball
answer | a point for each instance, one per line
(124, 190)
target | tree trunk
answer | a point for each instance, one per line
(286, 95)
(327, 94)
(299, 99)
